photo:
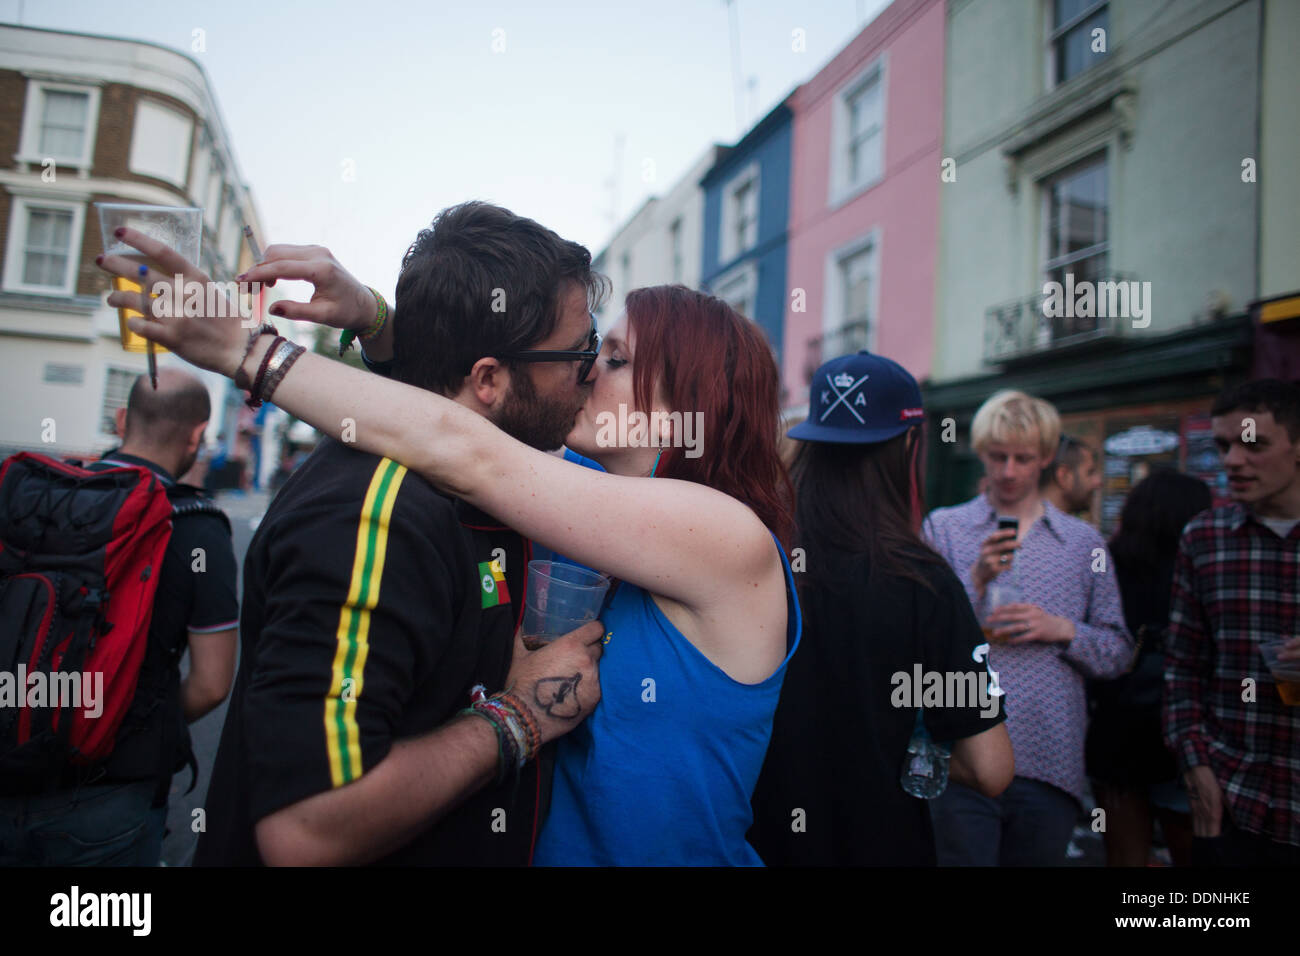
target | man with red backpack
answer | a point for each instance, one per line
(107, 573)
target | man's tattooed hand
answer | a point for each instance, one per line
(558, 696)
(555, 700)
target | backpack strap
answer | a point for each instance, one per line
(191, 500)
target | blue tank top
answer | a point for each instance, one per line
(661, 773)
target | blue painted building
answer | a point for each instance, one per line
(746, 217)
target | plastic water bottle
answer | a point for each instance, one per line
(925, 765)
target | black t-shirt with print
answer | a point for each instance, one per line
(839, 742)
(365, 621)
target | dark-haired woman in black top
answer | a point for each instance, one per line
(1134, 777)
(878, 605)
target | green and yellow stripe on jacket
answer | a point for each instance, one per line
(342, 737)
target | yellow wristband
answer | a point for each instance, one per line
(381, 316)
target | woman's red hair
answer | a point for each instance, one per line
(703, 356)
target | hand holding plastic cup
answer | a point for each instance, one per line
(560, 598)
(1285, 673)
(180, 227)
(1002, 590)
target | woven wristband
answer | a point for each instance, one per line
(533, 734)
(503, 762)
(519, 749)
(381, 316)
(517, 734)
(348, 336)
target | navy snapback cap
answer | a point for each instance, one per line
(860, 399)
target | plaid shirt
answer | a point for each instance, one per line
(1236, 585)
(1064, 568)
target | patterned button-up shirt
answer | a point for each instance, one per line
(1063, 567)
(1236, 586)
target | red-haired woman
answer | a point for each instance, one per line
(705, 619)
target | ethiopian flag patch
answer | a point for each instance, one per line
(493, 581)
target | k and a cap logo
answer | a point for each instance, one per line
(493, 581)
(843, 386)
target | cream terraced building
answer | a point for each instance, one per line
(87, 119)
(659, 244)
(1111, 146)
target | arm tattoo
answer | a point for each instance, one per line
(558, 696)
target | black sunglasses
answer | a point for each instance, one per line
(587, 357)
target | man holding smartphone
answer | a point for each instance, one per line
(1066, 625)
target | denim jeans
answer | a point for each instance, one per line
(110, 824)
(1028, 825)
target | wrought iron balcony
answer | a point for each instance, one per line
(850, 337)
(1023, 327)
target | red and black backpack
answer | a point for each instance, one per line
(81, 552)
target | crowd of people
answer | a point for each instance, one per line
(786, 657)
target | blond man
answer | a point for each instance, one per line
(1058, 624)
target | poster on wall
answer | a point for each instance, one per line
(1134, 448)
(1202, 459)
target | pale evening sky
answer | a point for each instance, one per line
(415, 97)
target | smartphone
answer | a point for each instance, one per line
(1008, 523)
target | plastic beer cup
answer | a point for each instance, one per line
(1285, 673)
(180, 227)
(560, 598)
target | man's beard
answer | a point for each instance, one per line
(536, 421)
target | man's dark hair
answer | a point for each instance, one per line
(1273, 395)
(481, 281)
(166, 414)
(1070, 452)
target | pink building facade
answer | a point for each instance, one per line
(864, 203)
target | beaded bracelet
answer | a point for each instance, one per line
(526, 717)
(518, 736)
(512, 723)
(348, 336)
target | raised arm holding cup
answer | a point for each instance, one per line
(701, 552)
